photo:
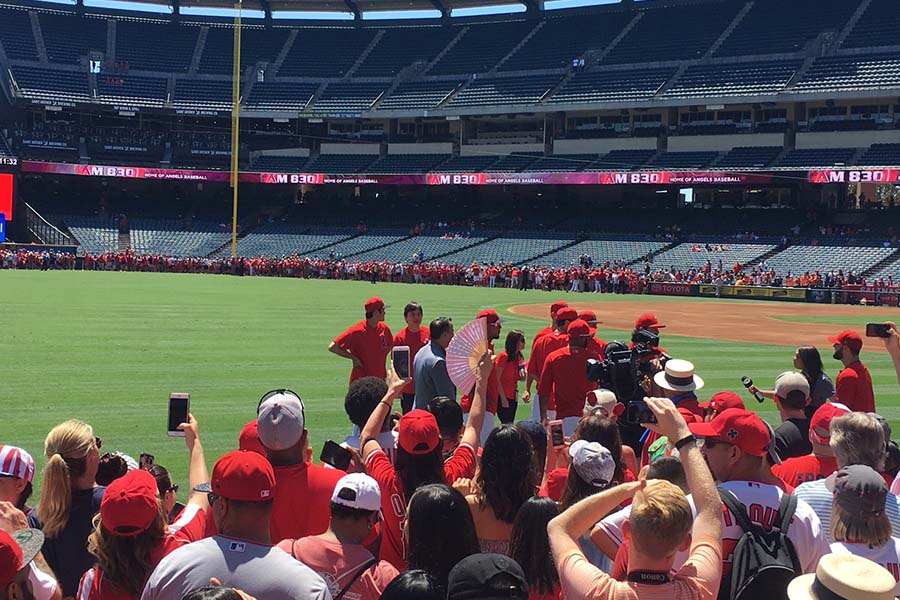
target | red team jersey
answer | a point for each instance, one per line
(801, 469)
(393, 504)
(563, 381)
(370, 345)
(302, 504)
(853, 388)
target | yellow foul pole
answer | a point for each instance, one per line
(235, 122)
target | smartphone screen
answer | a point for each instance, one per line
(179, 406)
(400, 360)
(881, 330)
(335, 455)
(556, 433)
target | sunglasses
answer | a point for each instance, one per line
(98, 442)
(173, 489)
(211, 498)
(710, 443)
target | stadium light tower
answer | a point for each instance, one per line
(235, 121)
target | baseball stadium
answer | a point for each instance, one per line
(199, 196)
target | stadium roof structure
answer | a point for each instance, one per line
(359, 7)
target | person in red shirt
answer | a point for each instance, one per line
(338, 555)
(133, 534)
(509, 368)
(300, 508)
(555, 307)
(366, 342)
(853, 386)
(594, 343)
(493, 387)
(419, 460)
(821, 462)
(563, 378)
(415, 337)
(540, 350)
(648, 322)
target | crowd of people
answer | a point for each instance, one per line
(609, 277)
(459, 494)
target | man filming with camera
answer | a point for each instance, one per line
(647, 323)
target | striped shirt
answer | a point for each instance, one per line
(820, 499)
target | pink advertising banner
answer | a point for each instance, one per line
(588, 178)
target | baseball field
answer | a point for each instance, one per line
(109, 347)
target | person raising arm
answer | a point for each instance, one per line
(660, 526)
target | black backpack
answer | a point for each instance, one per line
(763, 562)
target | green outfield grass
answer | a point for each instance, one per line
(108, 348)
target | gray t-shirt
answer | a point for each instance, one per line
(264, 572)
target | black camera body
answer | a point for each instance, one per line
(622, 371)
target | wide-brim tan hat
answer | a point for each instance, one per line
(678, 376)
(845, 576)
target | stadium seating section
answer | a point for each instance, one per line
(693, 255)
(800, 259)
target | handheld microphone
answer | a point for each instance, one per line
(749, 382)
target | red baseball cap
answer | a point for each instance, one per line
(821, 421)
(129, 503)
(578, 328)
(417, 432)
(740, 428)
(588, 316)
(375, 303)
(723, 401)
(248, 439)
(646, 321)
(848, 338)
(566, 314)
(17, 550)
(240, 475)
(488, 313)
(557, 306)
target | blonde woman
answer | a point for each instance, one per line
(859, 522)
(69, 500)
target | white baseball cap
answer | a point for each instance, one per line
(359, 491)
(16, 462)
(280, 420)
(593, 462)
(791, 381)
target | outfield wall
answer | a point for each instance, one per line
(848, 295)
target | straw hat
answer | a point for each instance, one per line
(844, 576)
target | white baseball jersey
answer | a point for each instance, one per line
(887, 555)
(761, 502)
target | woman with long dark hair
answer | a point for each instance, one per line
(808, 361)
(439, 531)
(418, 460)
(530, 547)
(507, 368)
(505, 481)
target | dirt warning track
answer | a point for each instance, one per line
(737, 320)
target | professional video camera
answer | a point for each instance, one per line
(623, 369)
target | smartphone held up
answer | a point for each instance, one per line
(882, 330)
(179, 409)
(401, 361)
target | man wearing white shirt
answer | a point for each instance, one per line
(857, 439)
(734, 444)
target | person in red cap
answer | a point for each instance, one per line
(418, 460)
(594, 343)
(720, 401)
(240, 492)
(19, 551)
(248, 439)
(647, 322)
(820, 463)
(564, 381)
(133, 533)
(492, 397)
(853, 386)
(366, 343)
(541, 349)
(555, 307)
(414, 336)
